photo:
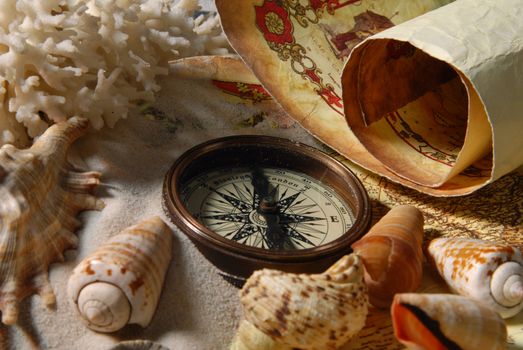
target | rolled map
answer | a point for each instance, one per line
(415, 114)
(439, 99)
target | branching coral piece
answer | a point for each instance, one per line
(65, 58)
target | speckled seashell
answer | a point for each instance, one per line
(488, 272)
(40, 197)
(121, 281)
(392, 254)
(285, 310)
(446, 321)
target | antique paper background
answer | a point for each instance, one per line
(480, 44)
(296, 48)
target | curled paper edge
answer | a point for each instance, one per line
(490, 76)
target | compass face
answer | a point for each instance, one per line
(306, 213)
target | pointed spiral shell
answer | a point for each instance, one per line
(40, 197)
(488, 272)
(303, 311)
(392, 255)
(121, 281)
(446, 321)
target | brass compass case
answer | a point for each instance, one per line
(252, 202)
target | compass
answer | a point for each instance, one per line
(250, 202)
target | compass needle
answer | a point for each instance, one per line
(286, 210)
(265, 201)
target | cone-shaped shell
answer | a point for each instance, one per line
(303, 311)
(488, 272)
(121, 281)
(392, 254)
(40, 197)
(446, 321)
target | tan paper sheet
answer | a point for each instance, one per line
(297, 50)
(440, 97)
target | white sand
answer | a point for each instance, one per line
(197, 309)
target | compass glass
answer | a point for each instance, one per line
(289, 210)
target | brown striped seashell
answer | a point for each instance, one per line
(121, 281)
(285, 310)
(446, 321)
(392, 254)
(488, 272)
(40, 198)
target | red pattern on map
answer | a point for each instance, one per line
(331, 5)
(253, 92)
(418, 142)
(273, 19)
(279, 30)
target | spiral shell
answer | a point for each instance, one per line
(446, 321)
(488, 272)
(392, 255)
(40, 198)
(284, 310)
(122, 280)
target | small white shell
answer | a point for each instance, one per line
(121, 281)
(104, 306)
(484, 271)
(303, 311)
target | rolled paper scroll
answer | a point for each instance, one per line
(297, 50)
(438, 100)
(298, 53)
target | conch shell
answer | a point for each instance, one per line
(392, 254)
(121, 281)
(40, 198)
(446, 321)
(488, 272)
(285, 310)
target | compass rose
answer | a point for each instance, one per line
(267, 208)
(249, 202)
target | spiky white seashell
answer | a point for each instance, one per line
(488, 272)
(121, 281)
(285, 310)
(40, 198)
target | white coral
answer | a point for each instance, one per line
(94, 58)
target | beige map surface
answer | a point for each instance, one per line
(492, 213)
(438, 97)
(429, 130)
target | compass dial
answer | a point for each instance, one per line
(303, 212)
(251, 202)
